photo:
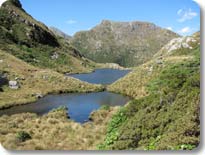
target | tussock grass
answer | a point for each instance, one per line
(54, 131)
(34, 81)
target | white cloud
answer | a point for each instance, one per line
(169, 28)
(2, 1)
(71, 21)
(185, 30)
(186, 15)
(179, 11)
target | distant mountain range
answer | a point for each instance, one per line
(59, 33)
(125, 43)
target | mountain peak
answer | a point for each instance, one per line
(106, 22)
(125, 43)
(17, 3)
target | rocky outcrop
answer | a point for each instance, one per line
(179, 44)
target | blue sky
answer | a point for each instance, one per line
(181, 16)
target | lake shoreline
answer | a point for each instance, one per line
(100, 88)
(50, 93)
(97, 68)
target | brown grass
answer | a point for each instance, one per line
(54, 131)
(34, 80)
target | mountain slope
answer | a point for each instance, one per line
(33, 42)
(171, 53)
(165, 112)
(125, 43)
(33, 82)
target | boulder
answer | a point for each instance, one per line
(159, 61)
(39, 95)
(13, 84)
(55, 56)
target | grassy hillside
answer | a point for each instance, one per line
(33, 42)
(165, 113)
(125, 43)
(134, 84)
(33, 80)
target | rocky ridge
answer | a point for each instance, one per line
(125, 43)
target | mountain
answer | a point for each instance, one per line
(59, 33)
(125, 43)
(32, 41)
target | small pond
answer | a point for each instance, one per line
(80, 105)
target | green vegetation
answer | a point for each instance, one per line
(153, 143)
(112, 132)
(105, 107)
(185, 147)
(167, 117)
(22, 136)
(61, 108)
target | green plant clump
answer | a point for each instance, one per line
(112, 130)
(105, 107)
(23, 136)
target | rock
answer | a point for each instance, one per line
(55, 56)
(159, 61)
(151, 69)
(65, 78)
(177, 43)
(13, 84)
(39, 95)
(27, 34)
(114, 66)
(45, 77)
(1, 61)
(35, 60)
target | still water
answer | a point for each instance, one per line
(101, 76)
(80, 105)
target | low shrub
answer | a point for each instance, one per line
(23, 136)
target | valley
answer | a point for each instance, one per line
(119, 86)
